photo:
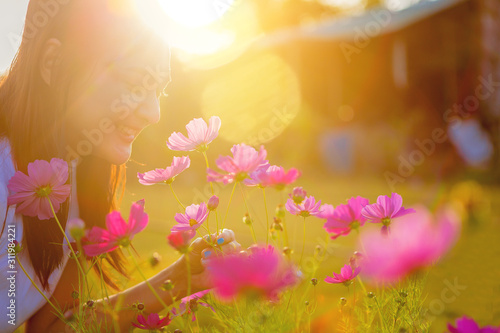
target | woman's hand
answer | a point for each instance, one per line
(201, 250)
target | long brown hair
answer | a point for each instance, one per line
(32, 117)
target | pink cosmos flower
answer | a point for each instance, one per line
(414, 243)
(347, 274)
(325, 211)
(298, 194)
(245, 160)
(118, 232)
(153, 322)
(468, 325)
(199, 135)
(262, 273)
(272, 176)
(179, 240)
(193, 218)
(386, 209)
(189, 304)
(45, 181)
(345, 218)
(166, 175)
(307, 208)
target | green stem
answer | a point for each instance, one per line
(303, 242)
(229, 204)
(267, 216)
(246, 207)
(208, 167)
(69, 245)
(176, 198)
(285, 229)
(146, 280)
(38, 289)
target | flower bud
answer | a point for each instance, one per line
(277, 225)
(140, 306)
(213, 203)
(287, 251)
(74, 295)
(343, 301)
(314, 281)
(154, 259)
(307, 303)
(370, 295)
(280, 211)
(167, 285)
(298, 195)
(247, 219)
(177, 331)
(76, 228)
(90, 304)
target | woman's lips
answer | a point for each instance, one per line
(127, 133)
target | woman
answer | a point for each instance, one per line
(85, 82)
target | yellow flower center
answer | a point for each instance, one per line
(192, 222)
(44, 191)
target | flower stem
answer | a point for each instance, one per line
(146, 280)
(229, 204)
(38, 289)
(208, 167)
(303, 243)
(246, 206)
(69, 245)
(267, 216)
(176, 198)
(285, 229)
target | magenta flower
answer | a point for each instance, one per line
(193, 218)
(298, 195)
(468, 325)
(199, 135)
(245, 160)
(347, 274)
(179, 240)
(414, 243)
(166, 175)
(153, 322)
(307, 208)
(262, 273)
(386, 209)
(189, 304)
(325, 211)
(118, 232)
(45, 182)
(272, 176)
(345, 218)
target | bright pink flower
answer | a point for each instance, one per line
(199, 135)
(345, 218)
(166, 175)
(274, 176)
(179, 240)
(347, 274)
(468, 325)
(45, 181)
(193, 218)
(263, 273)
(118, 232)
(325, 211)
(245, 160)
(189, 304)
(307, 208)
(386, 209)
(298, 194)
(153, 322)
(414, 243)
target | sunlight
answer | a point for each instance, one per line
(196, 13)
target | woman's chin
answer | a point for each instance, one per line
(116, 153)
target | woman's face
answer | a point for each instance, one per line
(109, 109)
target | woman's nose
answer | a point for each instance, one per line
(149, 110)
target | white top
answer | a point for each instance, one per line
(27, 299)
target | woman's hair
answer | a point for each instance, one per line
(33, 115)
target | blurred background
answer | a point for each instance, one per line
(365, 97)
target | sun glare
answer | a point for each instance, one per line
(195, 13)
